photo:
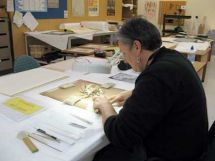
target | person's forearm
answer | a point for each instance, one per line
(107, 112)
(128, 93)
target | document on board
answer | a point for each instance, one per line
(10, 6)
(93, 7)
(18, 19)
(78, 8)
(30, 21)
(31, 5)
(53, 4)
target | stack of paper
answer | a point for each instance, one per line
(19, 82)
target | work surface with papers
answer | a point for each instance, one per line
(80, 131)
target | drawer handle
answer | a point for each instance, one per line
(1, 60)
(3, 33)
(1, 47)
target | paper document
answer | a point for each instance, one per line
(22, 106)
(10, 6)
(31, 5)
(186, 48)
(47, 138)
(18, 109)
(93, 7)
(78, 8)
(124, 77)
(191, 47)
(30, 21)
(62, 125)
(18, 18)
(53, 3)
(19, 82)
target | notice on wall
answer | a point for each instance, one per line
(78, 8)
(18, 19)
(111, 8)
(10, 6)
(30, 21)
(53, 3)
(150, 10)
(31, 5)
(93, 7)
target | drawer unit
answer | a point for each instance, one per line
(4, 26)
(5, 64)
(5, 47)
(4, 40)
(5, 53)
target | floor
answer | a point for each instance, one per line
(209, 86)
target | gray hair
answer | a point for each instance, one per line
(125, 40)
(143, 31)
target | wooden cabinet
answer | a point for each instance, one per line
(129, 9)
(5, 47)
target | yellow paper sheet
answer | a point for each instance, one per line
(20, 105)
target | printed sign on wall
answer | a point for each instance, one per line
(111, 8)
(93, 7)
(150, 10)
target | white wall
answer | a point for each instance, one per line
(202, 8)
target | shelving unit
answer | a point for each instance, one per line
(126, 12)
(36, 47)
(170, 18)
(6, 55)
(170, 7)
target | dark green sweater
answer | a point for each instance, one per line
(166, 112)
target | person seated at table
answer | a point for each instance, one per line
(164, 118)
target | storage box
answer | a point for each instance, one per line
(37, 51)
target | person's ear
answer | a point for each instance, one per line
(137, 45)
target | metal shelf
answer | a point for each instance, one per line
(172, 17)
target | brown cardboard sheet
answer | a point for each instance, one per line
(76, 95)
(95, 46)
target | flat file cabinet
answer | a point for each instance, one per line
(5, 46)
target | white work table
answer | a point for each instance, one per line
(62, 42)
(55, 112)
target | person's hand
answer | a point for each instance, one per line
(102, 105)
(120, 99)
